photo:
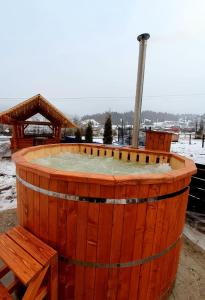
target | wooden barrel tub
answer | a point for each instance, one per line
(118, 237)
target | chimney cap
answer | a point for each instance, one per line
(143, 36)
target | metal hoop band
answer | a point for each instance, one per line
(121, 265)
(97, 200)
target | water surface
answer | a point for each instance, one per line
(76, 162)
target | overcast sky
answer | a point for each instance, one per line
(88, 50)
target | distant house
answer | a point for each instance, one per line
(95, 125)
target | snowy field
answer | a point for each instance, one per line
(7, 168)
(7, 185)
(7, 176)
(5, 146)
(193, 150)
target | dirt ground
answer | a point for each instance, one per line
(7, 219)
(190, 282)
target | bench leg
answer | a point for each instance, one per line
(34, 286)
(53, 279)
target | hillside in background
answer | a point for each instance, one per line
(147, 114)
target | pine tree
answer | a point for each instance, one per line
(107, 137)
(89, 133)
(78, 136)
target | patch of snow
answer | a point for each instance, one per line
(193, 151)
(94, 123)
(4, 137)
(195, 236)
(7, 185)
(98, 140)
(5, 146)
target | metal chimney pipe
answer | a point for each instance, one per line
(142, 38)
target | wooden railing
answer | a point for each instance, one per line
(197, 191)
(196, 203)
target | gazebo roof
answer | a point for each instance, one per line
(32, 106)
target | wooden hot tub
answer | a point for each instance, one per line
(118, 237)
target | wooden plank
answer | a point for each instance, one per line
(81, 248)
(183, 212)
(43, 200)
(175, 262)
(127, 238)
(62, 219)
(91, 249)
(103, 250)
(36, 207)
(116, 240)
(34, 286)
(72, 208)
(18, 192)
(23, 199)
(153, 289)
(160, 282)
(53, 216)
(34, 246)
(4, 295)
(18, 260)
(138, 250)
(53, 279)
(174, 222)
(172, 236)
(30, 201)
(69, 288)
(33, 123)
(147, 249)
(42, 293)
(62, 282)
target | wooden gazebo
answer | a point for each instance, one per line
(18, 116)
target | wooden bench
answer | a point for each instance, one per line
(34, 264)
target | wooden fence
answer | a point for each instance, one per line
(196, 203)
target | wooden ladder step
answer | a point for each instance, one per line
(40, 251)
(34, 263)
(18, 260)
(4, 295)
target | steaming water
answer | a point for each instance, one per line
(102, 165)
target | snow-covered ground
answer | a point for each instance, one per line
(7, 185)
(7, 176)
(193, 150)
(195, 236)
(4, 146)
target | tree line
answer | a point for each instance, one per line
(127, 117)
(107, 136)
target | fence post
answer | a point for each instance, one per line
(190, 139)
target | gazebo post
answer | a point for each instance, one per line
(59, 133)
(14, 137)
(22, 130)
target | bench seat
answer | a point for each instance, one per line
(31, 261)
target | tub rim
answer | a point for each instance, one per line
(167, 177)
